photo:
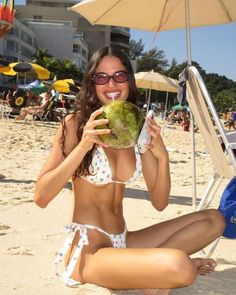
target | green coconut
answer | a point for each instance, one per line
(125, 121)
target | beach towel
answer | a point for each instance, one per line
(228, 208)
(181, 95)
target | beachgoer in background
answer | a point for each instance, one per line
(9, 97)
(101, 249)
(232, 120)
(172, 117)
(184, 120)
(34, 110)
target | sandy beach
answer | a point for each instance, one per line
(30, 237)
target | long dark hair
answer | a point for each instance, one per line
(88, 101)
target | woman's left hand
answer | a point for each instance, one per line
(156, 145)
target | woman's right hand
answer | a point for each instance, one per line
(90, 134)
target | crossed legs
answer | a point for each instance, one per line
(157, 256)
(190, 232)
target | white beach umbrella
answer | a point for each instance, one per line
(155, 81)
(160, 15)
(156, 15)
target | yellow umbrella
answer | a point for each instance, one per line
(64, 86)
(25, 67)
(5, 69)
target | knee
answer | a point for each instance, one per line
(217, 221)
(183, 269)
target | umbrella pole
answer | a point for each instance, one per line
(189, 61)
(149, 100)
(188, 38)
(166, 104)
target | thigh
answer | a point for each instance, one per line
(138, 268)
(155, 235)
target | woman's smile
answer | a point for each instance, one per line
(112, 95)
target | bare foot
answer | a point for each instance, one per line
(19, 117)
(204, 265)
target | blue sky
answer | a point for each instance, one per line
(213, 47)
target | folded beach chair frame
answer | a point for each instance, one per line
(5, 112)
(220, 144)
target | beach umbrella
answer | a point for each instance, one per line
(4, 69)
(26, 68)
(162, 15)
(156, 16)
(64, 85)
(179, 107)
(19, 99)
(35, 87)
(155, 81)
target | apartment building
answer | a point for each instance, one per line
(19, 44)
(66, 33)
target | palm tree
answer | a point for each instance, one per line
(62, 69)
(66, 69)
(41, 56)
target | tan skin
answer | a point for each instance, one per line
(33, 110)
(156, 256)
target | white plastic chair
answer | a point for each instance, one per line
(5, 112)
(220, 144)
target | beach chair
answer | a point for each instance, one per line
(5, 112)
(45, 114)
(220, 144)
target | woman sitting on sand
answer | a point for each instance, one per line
(100, 249)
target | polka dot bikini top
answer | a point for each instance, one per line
(101, 171)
